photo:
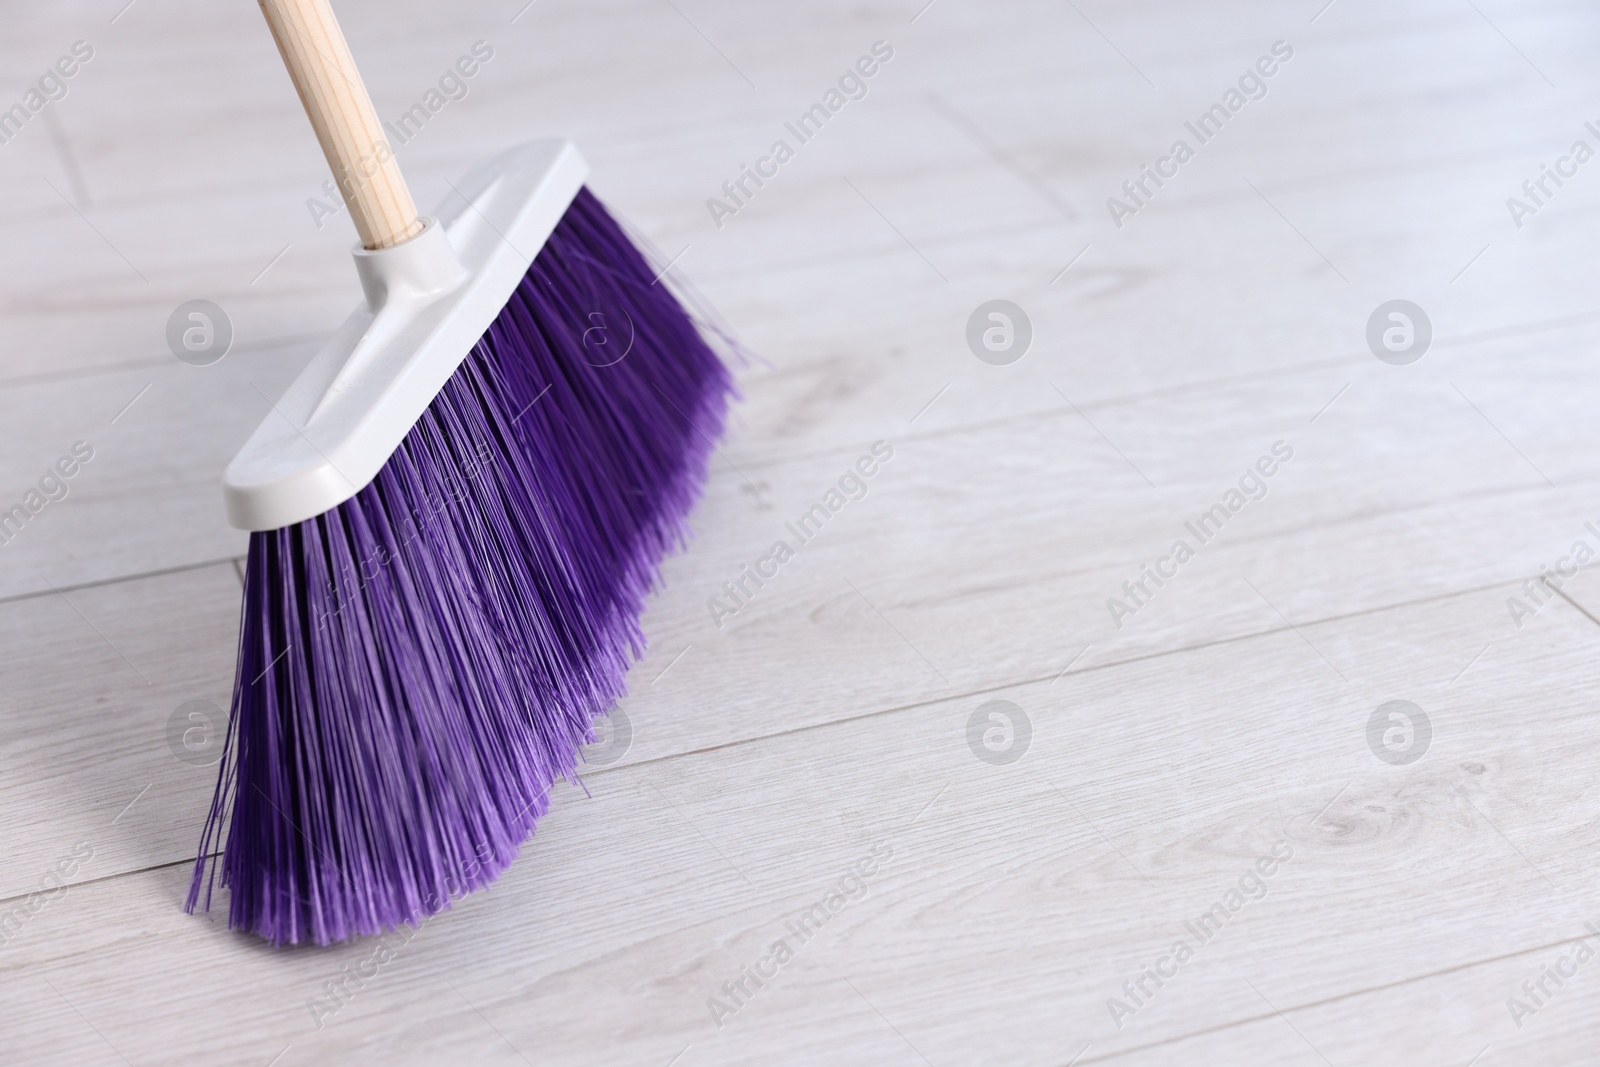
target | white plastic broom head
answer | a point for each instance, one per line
(428, 300)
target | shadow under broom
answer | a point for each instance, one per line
(422, 658)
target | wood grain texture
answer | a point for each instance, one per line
(1015, 901)
(830, 715)
(347, 126)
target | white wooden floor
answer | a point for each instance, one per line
(815, 748)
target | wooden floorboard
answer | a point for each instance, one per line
(1159, 791)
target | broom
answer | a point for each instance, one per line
(457, 511)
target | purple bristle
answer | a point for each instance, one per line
(420, 665)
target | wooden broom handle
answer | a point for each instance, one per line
(347, 125)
